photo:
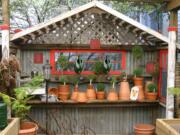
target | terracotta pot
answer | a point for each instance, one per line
(100, 95)
(144, 129)
(63, 95)
(146, 85)
(141, 93)
(112, 95)
(82, 97)
(138, 81)
(74, 94)
(53, 91)
(90, 86)
(91, 93)
(64, 88)
(28, 128)
(151, 95)
(124, 91)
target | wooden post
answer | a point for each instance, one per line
(5, 11)
(171, 72)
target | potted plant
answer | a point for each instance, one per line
(112, 95)
(19, 105)
(95, 43)
(74, 94)
(138, 79)
(151, 94)
(100, 91)
(91, 93)
(124, 89)
(78, 66)
(64, 89)
(107, 65)
(99, 68)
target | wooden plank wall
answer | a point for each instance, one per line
(102, 120)
(28, 65)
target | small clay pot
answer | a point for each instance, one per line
(141, 93)
(74, 94)
(91, 93)
(124, 91)
(100, 95)
(82, 97)
(138, 81)
(112, 95)
(28, 128)
(64, 88)
(151, 95)
(144, 129)
(63, 96)
(53, 91)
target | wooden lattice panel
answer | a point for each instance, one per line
(88, 26)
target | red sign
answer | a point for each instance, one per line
(38, 58)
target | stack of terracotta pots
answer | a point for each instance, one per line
(144, 129)
(138, 81)
(91, 93)
(64, 92)
(124, 90)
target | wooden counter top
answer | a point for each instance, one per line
(95, 103)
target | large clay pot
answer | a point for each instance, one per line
(124, 91)
(144, 129)
(74, 94)
(91, 93)
(82, 97)
(112, 95)
(63, 96)
(141, 93)
(64, 88)
(53, 91)
(138, 81)
(28, 128)
(100, 95)
(151, 95)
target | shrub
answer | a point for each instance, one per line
(152, 87)
(100, 87)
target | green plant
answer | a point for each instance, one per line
(174, 91)
(99, 67)
(113, 81)
(63, 62)
(137, 52)
(100, 87)
(152, 87)
(138, 72)
(19, 102)
(123, 76)
(63, 79)
(91, 77)
(78, 66)
(75, 80)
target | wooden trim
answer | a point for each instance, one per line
(173, 5)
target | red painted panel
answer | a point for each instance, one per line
(38, 58)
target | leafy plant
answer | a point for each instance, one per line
(19, 102)
(137, 52)
(123, 76)
(75, 80)
(138, 72)
(91, 77)
(100, 87)
(63, 79)
(107, 65)
(152, 87)
(113, 81)
(99, 67)
(78, 66)
(63, 62)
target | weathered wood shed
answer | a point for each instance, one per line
(70, 33)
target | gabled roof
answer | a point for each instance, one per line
(135, 26)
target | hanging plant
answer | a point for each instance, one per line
(137, 52)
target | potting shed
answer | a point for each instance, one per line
(94, 31)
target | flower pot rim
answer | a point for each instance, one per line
(29, 129)
(144, 127)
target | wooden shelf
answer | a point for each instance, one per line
(95, 103)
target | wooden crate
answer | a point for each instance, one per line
(12, 128)
(168, 126)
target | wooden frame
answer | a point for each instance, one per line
(52, 60)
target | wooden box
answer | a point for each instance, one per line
(12, 128)
(168, 126)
